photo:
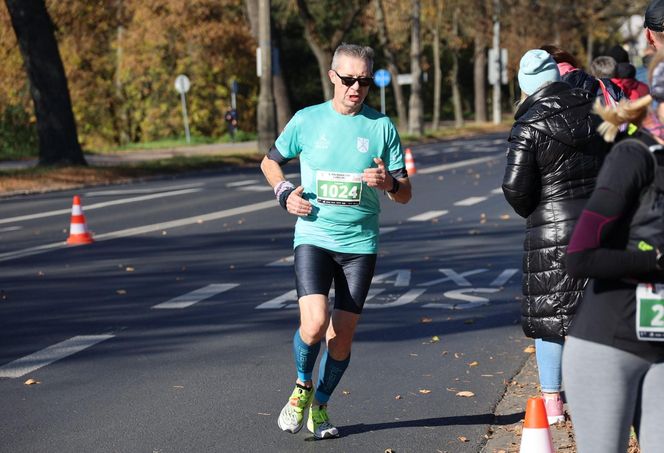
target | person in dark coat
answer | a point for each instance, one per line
(553, 158)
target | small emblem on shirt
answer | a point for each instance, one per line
(362, 144)
(322, 142)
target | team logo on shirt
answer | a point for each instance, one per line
(322, 142)
(362, 144)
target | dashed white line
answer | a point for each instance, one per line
(24, 365)
(11, 228)
(100, 205)
(145, 229)
(470, 201)
(193, 297)
(427, 216)
(261, 188)
(463, 163)
(247, 182)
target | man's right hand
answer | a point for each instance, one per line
(296, 204)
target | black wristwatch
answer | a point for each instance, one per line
(395, 185)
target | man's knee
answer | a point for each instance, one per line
(313, 328)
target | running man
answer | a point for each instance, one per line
(348, 153)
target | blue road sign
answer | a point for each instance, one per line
(382, 78)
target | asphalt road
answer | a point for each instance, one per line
(172, 332)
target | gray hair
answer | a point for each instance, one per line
(603, 67)
(355, 51)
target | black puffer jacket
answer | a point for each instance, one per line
(553, 158)
(581, 79)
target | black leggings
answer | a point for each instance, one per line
(315, 268)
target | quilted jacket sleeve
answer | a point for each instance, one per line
(522, 183)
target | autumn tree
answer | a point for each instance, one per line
(325, 25)
(56, 128)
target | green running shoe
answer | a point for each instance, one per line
(319, 423)
(291, 417)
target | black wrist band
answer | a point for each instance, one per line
(395, 185)
(283, 197)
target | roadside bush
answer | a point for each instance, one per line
(18, 134)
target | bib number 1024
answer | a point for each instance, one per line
(339, 188)
(650, 312)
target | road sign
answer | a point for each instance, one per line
(497, 66)
(182, 84)
(405, 79)
(382, 78)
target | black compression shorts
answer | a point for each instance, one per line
(315, 268)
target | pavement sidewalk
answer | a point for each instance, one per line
(110, 159)
(505, 434)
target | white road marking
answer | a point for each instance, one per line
(458, 279)
(11, 228)
(470, 201)
(386, 230)
(100, 205)
(462, 294)
(453, 165)
(285, 261)
(152, 190)
(402, 277)
(39, 359)
(193, 297)
(261, 188)
(146, 229)
(427, 216)
(247, 182)
(404, 299)
(497, 191)
(504, 277)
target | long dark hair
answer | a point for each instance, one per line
(560, 55)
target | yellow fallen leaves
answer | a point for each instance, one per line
(465, 394)
(435, 339)
(530, 349)
(462, 439)
(474, 363)
(424, 391)
(32, 382)
(505, 217)
(426, 320)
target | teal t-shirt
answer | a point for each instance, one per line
(334, 150)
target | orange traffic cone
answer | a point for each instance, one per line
(410, 163)
(536, 437)
(78, 231)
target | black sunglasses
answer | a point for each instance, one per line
(350, 81)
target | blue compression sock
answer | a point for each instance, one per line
(305, 357)
(329, 375)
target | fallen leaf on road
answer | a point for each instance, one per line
(486, 375)
(130, 269)
(505, 217)
(178, 386)
(121, 291)
(473, 232)
(425, 391)
(32, 382)
(530, 349)
(345, 392)
(458, 355)
(389, 450)
(462, 439)
(465, 394)
(426, 320)
(398, 397)
(435, 339)
(263, 413)
(474, 363)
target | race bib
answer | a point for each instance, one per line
(339, 188)
(650, 312)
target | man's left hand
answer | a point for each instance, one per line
(378, 177)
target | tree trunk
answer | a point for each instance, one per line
(479, 76)
(437, 73)
(266, 114)
(56, 126)
(384, 40)
(454, 73)
(322, 47)
(281, 97)
(415, 124)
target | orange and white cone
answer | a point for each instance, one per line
(410, 163)
(78, 231)
(536, 437)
